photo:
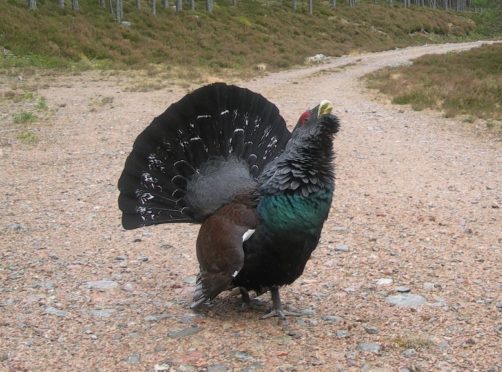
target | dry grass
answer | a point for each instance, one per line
(468, 83)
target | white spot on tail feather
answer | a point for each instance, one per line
(247, 235)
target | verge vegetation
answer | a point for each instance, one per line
(229, 38)
(468, 83)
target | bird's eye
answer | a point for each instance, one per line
(303, 119)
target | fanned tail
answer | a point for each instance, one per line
(200, 153)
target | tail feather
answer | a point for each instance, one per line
(161, 181)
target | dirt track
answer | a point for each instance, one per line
(417, 202)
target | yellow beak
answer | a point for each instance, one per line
(325, 108)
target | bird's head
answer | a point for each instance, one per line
(317, 122)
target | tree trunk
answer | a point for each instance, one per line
(234, 2)
(32, 4)
(333, 3)
(179, 5)
(165, 4)
(154, 6)
(102, 3)
(138, 4)
(61, 4)
(74, 5)
(295, 5)
(192, 4)
(209, 5)
(311, 6)
(119, 10)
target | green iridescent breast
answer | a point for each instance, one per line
(292, 213)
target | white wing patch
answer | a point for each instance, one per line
(247, 235)
(235, 273)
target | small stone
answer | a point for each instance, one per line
(243, 356)
(253, 368)
(134, 358)
(94, 337)
(16, 227)
(102, 313)
(128, 287)
(384, 281)
(3, 357)
(190, 280)
(342, 333)
(371, 330)
(217, 368)
(186, 368)
(53, 311)
(403, 289)
(143, 258)
(184, 332)
(406, 300)
(409, 353)
(342, 248)
(369, 347)
(443, 345)
(101, 284)
(428, 286)
(161, 367)
(404, 369)
(332, 318)
(156, 317)
(121, 258)
(499, 305)
(470, 342)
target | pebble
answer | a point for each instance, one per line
(53, 311)
(243, 356)
(499, 305)
(409, 353)
(156, 317)
(384, 281)
(253, 367)
(161, 367)
(16, 227)
(217, 368)
(406, 300)
(370, 347)
(121, 258)
(342, 248)
(342, 333)
(403, 289)
(101, 284)
(102, 313)
(185, 332)
(190, 280)
(371, 330)
(143, 258)
(3, 357)
(186, 368)
(332, 318)
(443, 345)
(134, 358)
(428, 286)
(128, 287)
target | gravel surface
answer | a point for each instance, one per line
(416, 217)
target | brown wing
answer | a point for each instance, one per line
(219, 249)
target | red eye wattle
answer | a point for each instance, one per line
(305, 116)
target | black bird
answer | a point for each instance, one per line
(223, 157)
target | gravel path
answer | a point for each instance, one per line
(406, 276)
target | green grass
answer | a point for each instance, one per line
(468, 83)
(24, 117)
(235, 38)
(27, 137)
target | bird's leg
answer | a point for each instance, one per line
(245, 296)
(277, 309)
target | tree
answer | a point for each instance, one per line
(165, 4)
(192, 4)
(333, 3)
(138, 4)
(153, 3)
(74, 5)
(311, 6)
(209, 5)
(32, 4)
(179, 5)
(119, 10)
(61, 4)
(295, 5)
